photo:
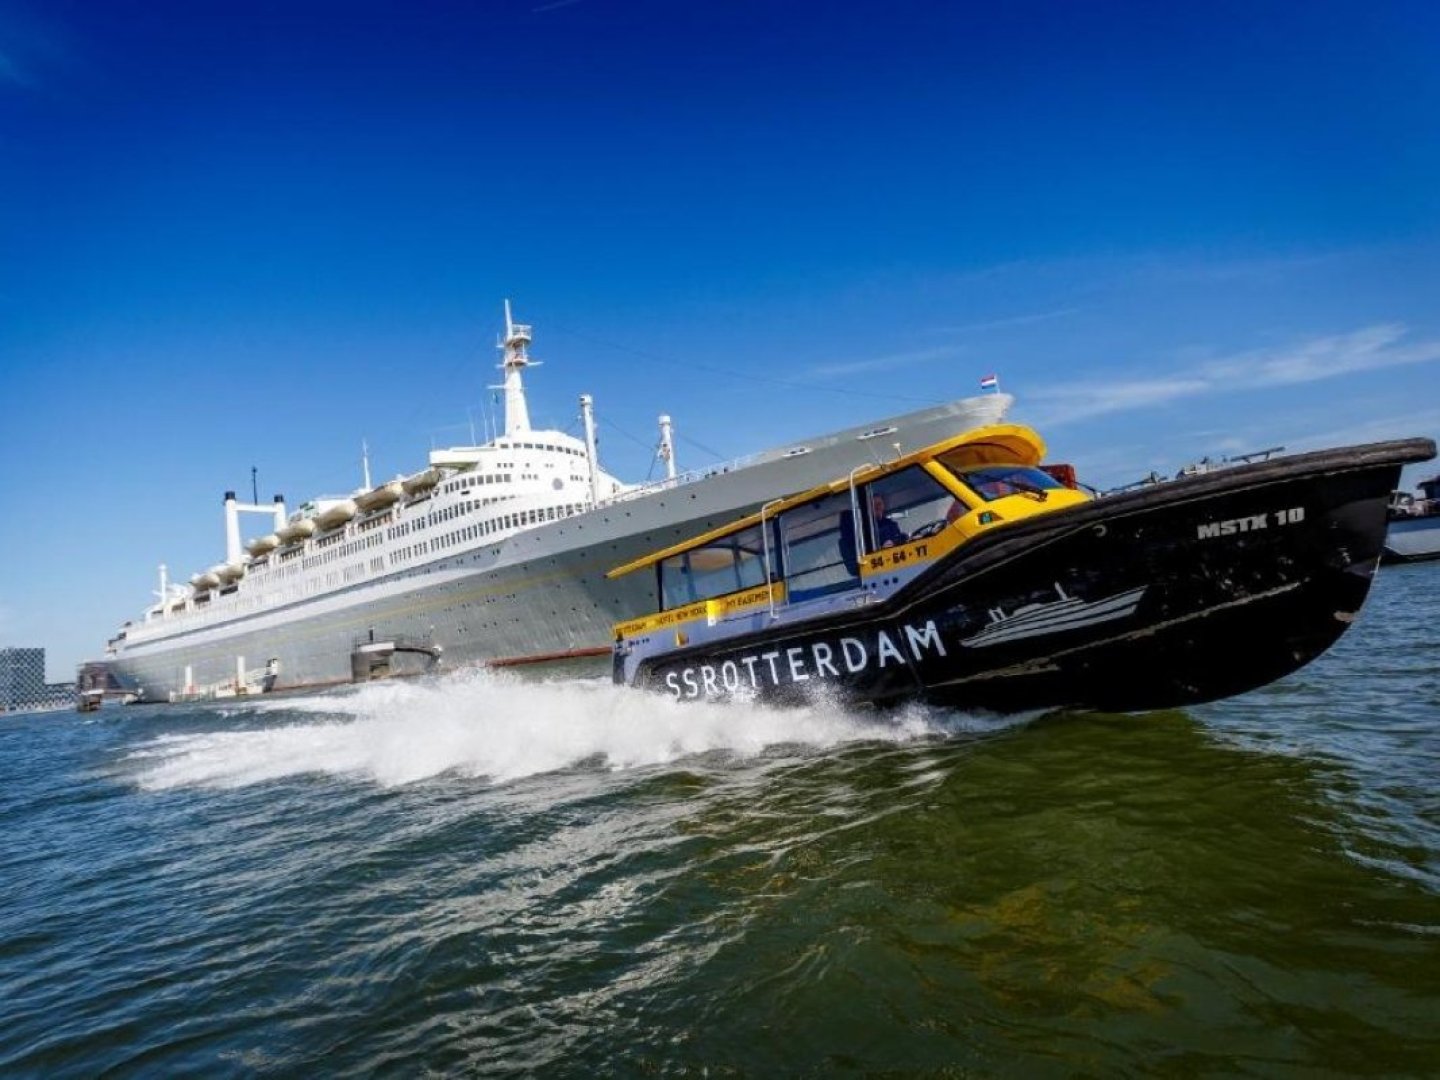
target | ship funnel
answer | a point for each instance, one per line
(279, 512)
(232, 529)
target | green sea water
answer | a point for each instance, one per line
(497, 876)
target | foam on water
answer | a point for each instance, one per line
(494, 725)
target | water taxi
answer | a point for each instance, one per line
(966, 574)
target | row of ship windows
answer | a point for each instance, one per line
(458, 536)
(469, 480)
(376, 564)
(344, 551)
(485, 528)
(404, 529)
(438, 516)
(542, 446)
(507, 521)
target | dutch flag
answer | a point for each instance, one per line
(990, 382)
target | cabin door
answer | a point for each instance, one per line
(818, 549)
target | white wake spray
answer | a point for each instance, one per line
(495, 725)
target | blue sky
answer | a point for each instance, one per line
(254, 234)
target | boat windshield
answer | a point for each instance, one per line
(906, 505)
(996, 481)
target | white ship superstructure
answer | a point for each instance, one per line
(491, 553)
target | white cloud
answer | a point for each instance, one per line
(1006, 322)
(1325, 357)
(1083, 400)
(1425, 422)
(1367, 349)
(893, 360)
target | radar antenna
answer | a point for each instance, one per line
(514, 360)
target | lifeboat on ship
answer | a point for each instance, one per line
(296, 530)
(206, 579)
(421, 481)
(965, 575)
(336, 514)
(380, 497)
(228, 572)
(261, 545)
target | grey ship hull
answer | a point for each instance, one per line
(538, 595)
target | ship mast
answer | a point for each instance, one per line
(667, 446)
(587, 414)
(513, 346)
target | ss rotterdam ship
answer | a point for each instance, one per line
(492, 554)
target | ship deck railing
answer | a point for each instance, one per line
(691, 476)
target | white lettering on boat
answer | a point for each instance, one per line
(730, 676)
(929, 637)
(823, 663)
(802, 663)
(855, 654)
(749, 662)
(888, 650)
(770, 658)
(1292, 515)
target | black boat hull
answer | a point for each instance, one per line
(1173, 595)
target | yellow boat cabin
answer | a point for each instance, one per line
(858, 538)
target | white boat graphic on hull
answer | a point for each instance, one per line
(1066, 613)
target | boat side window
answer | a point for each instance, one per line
(906, 505)
(728, 565)
(818, 544)
(992, 482)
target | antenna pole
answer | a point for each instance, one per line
(254, 486)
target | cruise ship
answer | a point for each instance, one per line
(491, 554)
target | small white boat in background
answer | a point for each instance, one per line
(1414, 530)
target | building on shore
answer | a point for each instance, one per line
(22, 683)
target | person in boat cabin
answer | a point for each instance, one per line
(887, 533)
